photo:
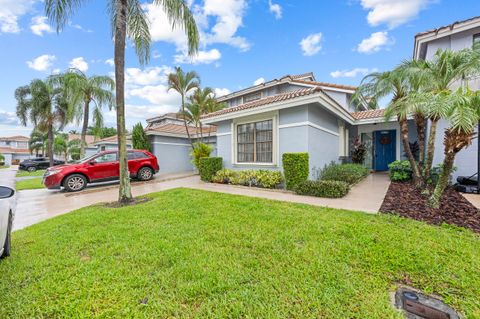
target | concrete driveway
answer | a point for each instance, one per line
(38, 205)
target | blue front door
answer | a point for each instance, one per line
(385, 149)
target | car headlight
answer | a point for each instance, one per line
(51, 172)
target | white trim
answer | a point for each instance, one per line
(177, 144)
(224, 134)
(322, 98)
(275, 140)
(307, 123)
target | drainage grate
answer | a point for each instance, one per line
(419, 306)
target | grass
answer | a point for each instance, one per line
(189, 253)
(39, 172)
(4, 166)
(32, 183)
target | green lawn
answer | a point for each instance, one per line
(32, 183)
(4, 166)
(191, 253)
(40, 172)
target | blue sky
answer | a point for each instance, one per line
(242, 41)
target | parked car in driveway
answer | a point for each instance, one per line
(34, 164)
(7, 213)
(100, 167)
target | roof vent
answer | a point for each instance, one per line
(419, 306)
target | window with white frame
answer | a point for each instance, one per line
(252, 97)
(255, 142)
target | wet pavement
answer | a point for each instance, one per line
(34, 206)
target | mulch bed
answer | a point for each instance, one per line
(404, 200)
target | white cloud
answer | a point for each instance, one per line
(79, 27)
(79, 63)
(276, 9)
(148, 76)
(202, 57)
(8, 118)
(375, 42)
(393, 12)
(110, 62)
(56, 71)
(39, 26)
(148, 111)
(41, 63)
(221, 91)
(11, 11)
(158, 95)
(161, 29)
(259, 81)
(312, 44)
(352, 73)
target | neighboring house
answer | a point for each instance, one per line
(298, 114)
(456, 36)
(14, 148)
(105, 144)
(170, 143)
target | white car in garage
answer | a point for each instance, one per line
(7, 213)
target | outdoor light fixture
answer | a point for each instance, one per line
(419, 306)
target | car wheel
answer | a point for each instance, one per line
(75, 183)
(145, 174)
(31, 169)
(8, 240)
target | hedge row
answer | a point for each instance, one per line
(295, 168)
(208, 167)
(349, 173)
(329, 189)
(255, 178)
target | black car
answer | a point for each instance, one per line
(33, 164)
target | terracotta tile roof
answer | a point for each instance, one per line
(301, 76)
(370, 114)
(325, 84)
(10, 150)
(265, 101)
(178, 129)
(450, 26)
(17, 138)
(88, 138)
(111, 139)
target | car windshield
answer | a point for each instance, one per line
(85, 159)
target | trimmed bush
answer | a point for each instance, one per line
(252, 178)
(329, 189)
(200, 150)
(208, 167)
(349, 173)
(400, 171)
(295, 168)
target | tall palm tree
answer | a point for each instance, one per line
(128, 19)
(43, 104)
(199, 103)
(37, 142)
(463, 113)
(437, 77)
(82, 90)
(184, 83)
(379, 85)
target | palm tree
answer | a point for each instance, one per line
(378, 85)
(199, 103)
(463, 113)
(447, 69)
(81, 90)
(60, 145)
(37, 142)
(183, 83)
(43, 104)
(128, 19)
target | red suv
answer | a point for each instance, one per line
(100, 167)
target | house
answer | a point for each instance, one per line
(456, 36)
(14, 148)
(170, 143)
(296, 113)
(105, 144)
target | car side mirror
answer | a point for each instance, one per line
(6, 192)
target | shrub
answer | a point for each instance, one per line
(329, 189)
(208, 167)
(400, 171)
(349, 173)
(140, 138)
(295, 168)
(200, 150)
(359, 151)
(252, 178)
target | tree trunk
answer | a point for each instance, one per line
(201, 132)
(83, 142)
(415, 169)
(125, 192)
(420, 123)
(431, 148)
(443, 179)
(185, 121)
(50, 144)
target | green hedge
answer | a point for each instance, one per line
(208, 167)
(255, 178)
(349, 173)
(400, 171)
(329, 189)
(295, 168)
